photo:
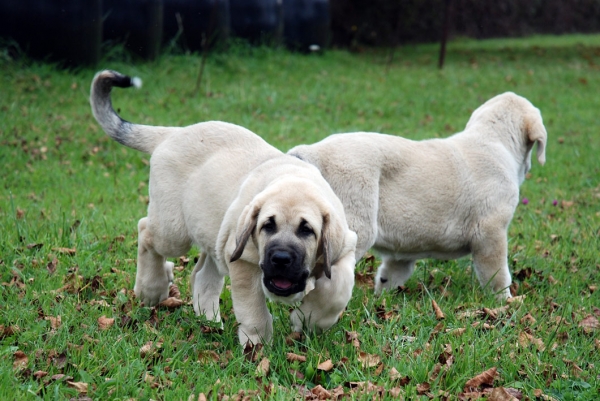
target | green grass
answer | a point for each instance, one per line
(67, 185)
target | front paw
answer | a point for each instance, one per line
(152, 290)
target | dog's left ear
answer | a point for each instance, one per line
(248, 218)
(326, 245)
(536, 133)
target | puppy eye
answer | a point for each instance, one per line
(269, 226)
(304, 230)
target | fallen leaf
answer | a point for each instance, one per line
(252, 351)
(525, 339)
(293, 337)
(150, 348)
(516, 300)
(207, 356)
(368, 360)
(202, 397)
(172, 303)
(459, 331)
(79, 386)
(352, 337)
(174, 291)
(321, 392)
(423, 388)
(484, 378)
(68, 251)
(325, 366)
(295, 357)
(589, 323)
(263, 367)
(39, 374)
(105, 323)
(55, 322)
(501, 394)
(439, 315)
(528, 319)
(20, 360)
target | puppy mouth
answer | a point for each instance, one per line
(281, 283)
(282, 286)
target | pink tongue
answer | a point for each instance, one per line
(282, 283)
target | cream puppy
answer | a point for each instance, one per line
(437, 198)
(268, 220)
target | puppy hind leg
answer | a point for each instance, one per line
(491, 264)
(393, 273)
(154, 273)
(206, 285)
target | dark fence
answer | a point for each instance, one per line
(72, 31)
(390, 22)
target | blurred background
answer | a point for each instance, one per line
(76, 32)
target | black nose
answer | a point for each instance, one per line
(281, 258)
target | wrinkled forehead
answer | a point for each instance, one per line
(293, 207)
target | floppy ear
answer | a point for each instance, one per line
(326, 246)
(249, 218)
(536, 133)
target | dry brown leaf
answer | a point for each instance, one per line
(99, 302)
(321, 392)
(485, 378)
(525, 339)
(150, 348)
(252, 351)
(516, 300)
(207, 356)
(423, 388)
(293, 337)
(172, 303)
(202, 397)
(79, 386)
(105, 323)
(352, 337)
(501, 394)
(368, 360)
(459, 331)
(589, 323)
(174, 291)
(263, 367)
(325, 366)
(39, 374)
(67, 251)
(295, 357)
(528, 319)
(439, 315)
(55, 322)
(20, 360)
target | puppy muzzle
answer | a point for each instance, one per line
(283, 271)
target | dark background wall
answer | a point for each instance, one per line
(390, 22)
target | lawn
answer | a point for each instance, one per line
(71, 328)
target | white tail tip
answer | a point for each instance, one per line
(137, 82)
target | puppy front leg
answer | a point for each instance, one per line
(249, 303)
(153, 272)
(207, 284)
(491, 265)
(393, 273)
(322, 307)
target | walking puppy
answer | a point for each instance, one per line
(438, 198)
(267, 219)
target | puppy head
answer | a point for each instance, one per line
(519, 121)
(296, 232)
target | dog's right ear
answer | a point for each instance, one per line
(248, 218)
(536, 133)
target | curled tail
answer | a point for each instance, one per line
(144, 138)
